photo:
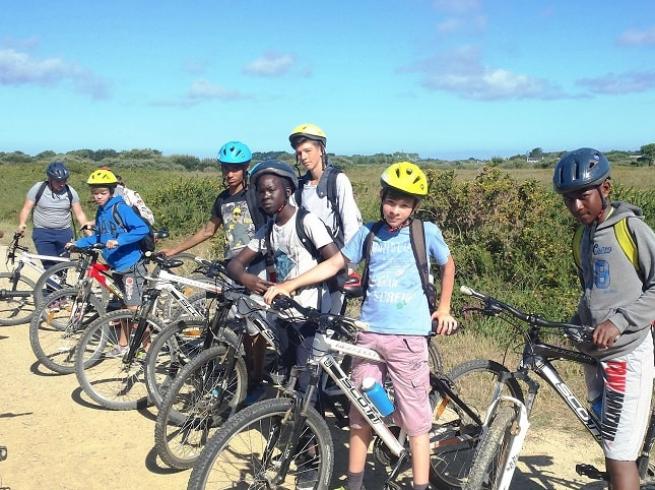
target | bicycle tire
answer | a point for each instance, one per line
(196, 406)
(266, 414)
(173, 349)
(57, 327)
(71, 277)
(492, 451)
(106, 379)
(450, 464)
(14, 311)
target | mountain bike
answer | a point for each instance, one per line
(507, 423)
(18, 295)
(111, 375)
(284, 442)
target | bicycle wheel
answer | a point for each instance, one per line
(173, 311)
(60, 276)
(492, 451)
(203, 396)
(454, 433)
(173, 348)
(15, 310)
(247, 452)
(100, 367)
(58, 325)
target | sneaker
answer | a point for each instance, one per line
(117, 351)
(254, 394)
(307, 480)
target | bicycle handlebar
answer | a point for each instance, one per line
(90, 250)
(494, 307)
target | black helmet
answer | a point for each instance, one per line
(57, 171)
(580, 169)
(275, 167)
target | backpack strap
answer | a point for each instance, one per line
(302, 236)
(42, 188)
(417, 240)
(623, 236)
(117, 216)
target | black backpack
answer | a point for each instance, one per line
(417, 240)
(327, 186)
(147, 243)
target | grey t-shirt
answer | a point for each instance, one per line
(53, 209)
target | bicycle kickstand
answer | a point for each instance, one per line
(390, 483)
(591, 472)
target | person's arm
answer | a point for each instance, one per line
(446, 324)
(236, 269)
(318, 274)
(206, 232)
(351, 218)
(23, 215)
(81, 218)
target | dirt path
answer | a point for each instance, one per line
(58, 439)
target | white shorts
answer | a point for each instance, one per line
(627, 387)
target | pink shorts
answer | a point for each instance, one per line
(406, 362)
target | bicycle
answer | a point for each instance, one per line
(279, 442)
(18, 293)
(115, 379)
(507, 424)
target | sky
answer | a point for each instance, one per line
(441, 78)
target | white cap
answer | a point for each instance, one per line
(368, 383)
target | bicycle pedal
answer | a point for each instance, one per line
(591, 472)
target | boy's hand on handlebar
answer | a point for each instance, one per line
(255, 284)
(167, 252)
(275, 290)
(111, 244)
(444, 322)
(605, 335)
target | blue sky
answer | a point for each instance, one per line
(444, 78)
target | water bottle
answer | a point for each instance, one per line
(597, 406)
(377, 396)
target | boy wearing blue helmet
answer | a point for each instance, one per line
(618, 300)
(231, 209)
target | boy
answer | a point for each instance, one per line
(275, 182)
(122, 250)
(619, 301)
(231, 209)
(396, 309)
(325, 191)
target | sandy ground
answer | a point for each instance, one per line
(58, 439)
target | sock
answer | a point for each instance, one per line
(355, 480)
(421, 487)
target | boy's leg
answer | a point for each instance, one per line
(626, 408)
(407, 361)
(131, 283)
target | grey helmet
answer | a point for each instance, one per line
(580, 169)
(275, 167)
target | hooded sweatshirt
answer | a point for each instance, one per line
(612, 288)
(128, 251)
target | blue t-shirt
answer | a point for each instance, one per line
(395, 302)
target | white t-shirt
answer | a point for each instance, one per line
(291, 257)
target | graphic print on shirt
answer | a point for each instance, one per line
(387, 287)
(239, 227)
(601, 274)
(283, 264)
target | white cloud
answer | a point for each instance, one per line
(270, 65)
(462, 72)
(620, 83)
(203, 89)
(473, 23)
(635, 37)
(19, 68)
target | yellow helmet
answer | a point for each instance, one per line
(309, 131)
(102, 178)
(405, 177)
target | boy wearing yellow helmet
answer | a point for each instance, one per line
(120, 230)
(398, 315)
(325, 191)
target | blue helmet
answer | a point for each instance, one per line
(275, 167)
(57, 171)
(234, 153)
(580, 169)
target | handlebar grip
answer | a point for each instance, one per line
(466, 290)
